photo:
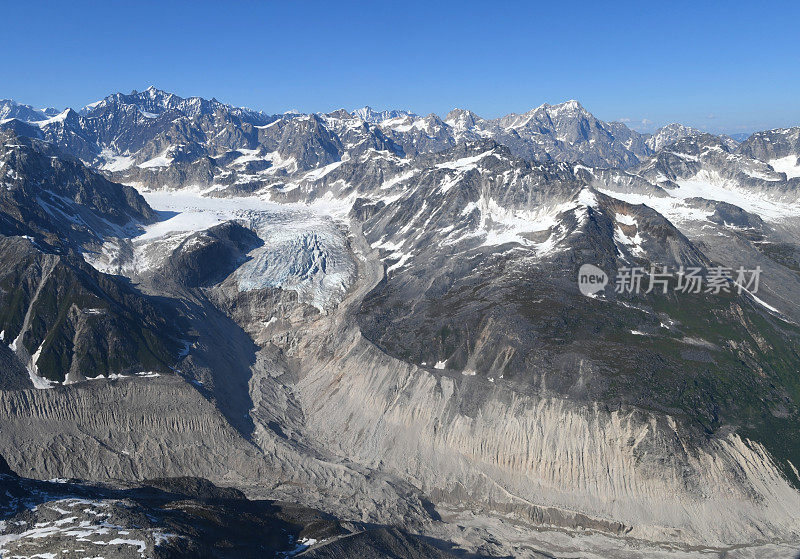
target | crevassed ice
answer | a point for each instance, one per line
(304, 250)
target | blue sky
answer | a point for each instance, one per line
(724, 66)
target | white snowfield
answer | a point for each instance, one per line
(709, 186)
(304, 250)
(789, 165)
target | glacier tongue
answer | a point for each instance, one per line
(303, 252)
(305, 247)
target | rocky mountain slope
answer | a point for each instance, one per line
(64, 320)
(178, 518)
(376, 314)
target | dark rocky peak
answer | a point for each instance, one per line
(209, 256)
(21, 128)
(341, 114)
(47, 193)
(772, 144)
(696, 144)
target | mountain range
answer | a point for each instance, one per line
(375, 316)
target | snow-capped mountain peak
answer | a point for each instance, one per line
(368, 114)
(11, 109)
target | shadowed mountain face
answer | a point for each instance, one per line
(56, 199)
(772, 145)
(63, 319)
(67, 322)
(377, 314)
(178, 518)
